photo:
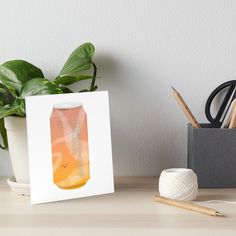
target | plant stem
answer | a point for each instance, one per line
(94, 77)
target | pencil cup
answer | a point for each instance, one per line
(212, 155)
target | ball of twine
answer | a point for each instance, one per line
(178, 183)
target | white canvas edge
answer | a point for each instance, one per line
(112, 189)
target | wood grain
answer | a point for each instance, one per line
(129, 211)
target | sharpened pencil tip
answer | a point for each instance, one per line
(173, 88)
(219, 214)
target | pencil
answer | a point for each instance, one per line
(232, 123)
(188, 206)
(185, 109)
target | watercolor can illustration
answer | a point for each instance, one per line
(69, 142)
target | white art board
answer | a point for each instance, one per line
(44, 171)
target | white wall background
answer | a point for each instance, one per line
(143, 47)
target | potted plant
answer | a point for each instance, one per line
(18, 79)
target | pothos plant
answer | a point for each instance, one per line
(19, 78)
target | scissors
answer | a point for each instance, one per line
(223, 108)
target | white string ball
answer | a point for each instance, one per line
(178, 183)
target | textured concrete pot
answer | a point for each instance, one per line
(17, 141)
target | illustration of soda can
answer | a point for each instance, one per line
(69, 142)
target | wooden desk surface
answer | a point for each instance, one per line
(129, 211)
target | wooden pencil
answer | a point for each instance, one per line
(232, 123)
(185, 109)
(188, 206)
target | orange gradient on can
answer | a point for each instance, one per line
(69, 141)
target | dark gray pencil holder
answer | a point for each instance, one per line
(212, 156)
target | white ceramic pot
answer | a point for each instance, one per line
(17, 142)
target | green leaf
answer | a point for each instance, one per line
(39, 86)
(66, 90)
(14, 74)
(83, 91)
(5, 96)
(20, 102)
(79, 60)
(67, 80)
(89, 90)
(3, 133)
(10, 110)
(9, 105)
(93, 88)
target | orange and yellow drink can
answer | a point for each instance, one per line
(69, 142)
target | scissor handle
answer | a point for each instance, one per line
(216, 121)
